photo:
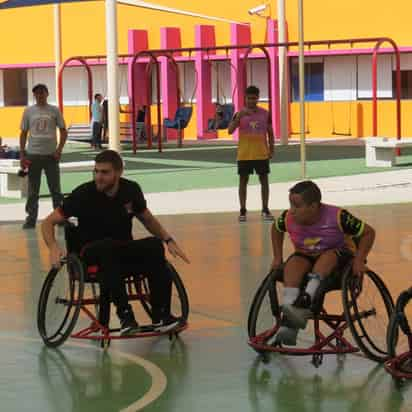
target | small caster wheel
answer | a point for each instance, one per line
(317, 360)
(105, 344)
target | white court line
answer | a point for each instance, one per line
(159, 380)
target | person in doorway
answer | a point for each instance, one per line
(256, 145)
(105, 128)
(39, 127)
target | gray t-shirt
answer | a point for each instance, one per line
(41, 122)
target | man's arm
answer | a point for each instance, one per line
(23, 141)
(62, 142)
(366, 241)
(271, 139)
(234, 123)
(364, 234)
(47, 229)
(277, 246)
(156, 229)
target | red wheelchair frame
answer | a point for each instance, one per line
(68, 301)
(353, 317)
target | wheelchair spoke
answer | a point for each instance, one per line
(368, 314)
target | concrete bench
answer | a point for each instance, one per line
(381, 151)
(11, 185)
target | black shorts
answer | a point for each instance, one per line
(344, 256)
(246, 167)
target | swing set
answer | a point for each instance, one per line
(184, 113)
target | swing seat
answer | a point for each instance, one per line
(228, 111)
(181, 119)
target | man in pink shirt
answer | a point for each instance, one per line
(254, 150)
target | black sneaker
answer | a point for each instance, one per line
(166, 325)
(128, 324)
(242, 215)
(266, 215)
(29, 224)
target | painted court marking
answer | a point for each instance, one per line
(159, 380)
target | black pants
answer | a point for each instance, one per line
(97, 134)
(117, 260)
(50, 165)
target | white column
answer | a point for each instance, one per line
(112, 74)
(283, 85)
(57, 44)
(302, 91)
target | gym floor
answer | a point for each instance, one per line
(210, 367)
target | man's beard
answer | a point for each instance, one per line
(106, 188)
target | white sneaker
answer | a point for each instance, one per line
(286, 335)
(296, 316)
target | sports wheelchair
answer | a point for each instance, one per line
(73, 288)
(399, 339)
(367, 307)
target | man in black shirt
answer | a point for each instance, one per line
(105, 208)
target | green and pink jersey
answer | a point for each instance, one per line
(334, 230)
(253, 142)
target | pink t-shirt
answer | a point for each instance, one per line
(323, 235)
(253, 142)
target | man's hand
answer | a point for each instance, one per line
(55, 255)
(57, 154)
(23, 160)
(271, 150)
(276, 263)
(358, 266)
(175, 250)
(243, 113)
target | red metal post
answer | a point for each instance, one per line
(83, 61)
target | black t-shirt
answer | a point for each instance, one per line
(101, 216)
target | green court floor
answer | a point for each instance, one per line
(211, 367)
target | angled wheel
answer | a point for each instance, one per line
(60, 301)
(399, 331)
(179, 303)
(265, 308)
(368, 306)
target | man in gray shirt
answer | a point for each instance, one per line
(41, 121)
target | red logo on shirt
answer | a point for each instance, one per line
(129, 208)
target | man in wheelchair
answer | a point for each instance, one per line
(105, 208)
(321, 236)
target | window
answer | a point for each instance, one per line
(15, 87)
(406, 84)
(314, 83)
(188, 81)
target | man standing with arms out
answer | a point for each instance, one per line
(97, 121)
(43, 152)
(255, 149)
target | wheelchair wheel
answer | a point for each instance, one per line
(368, 306)
(265, 308)
(399, 328)
(60, 301)
(179, 306)
(179, 300)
